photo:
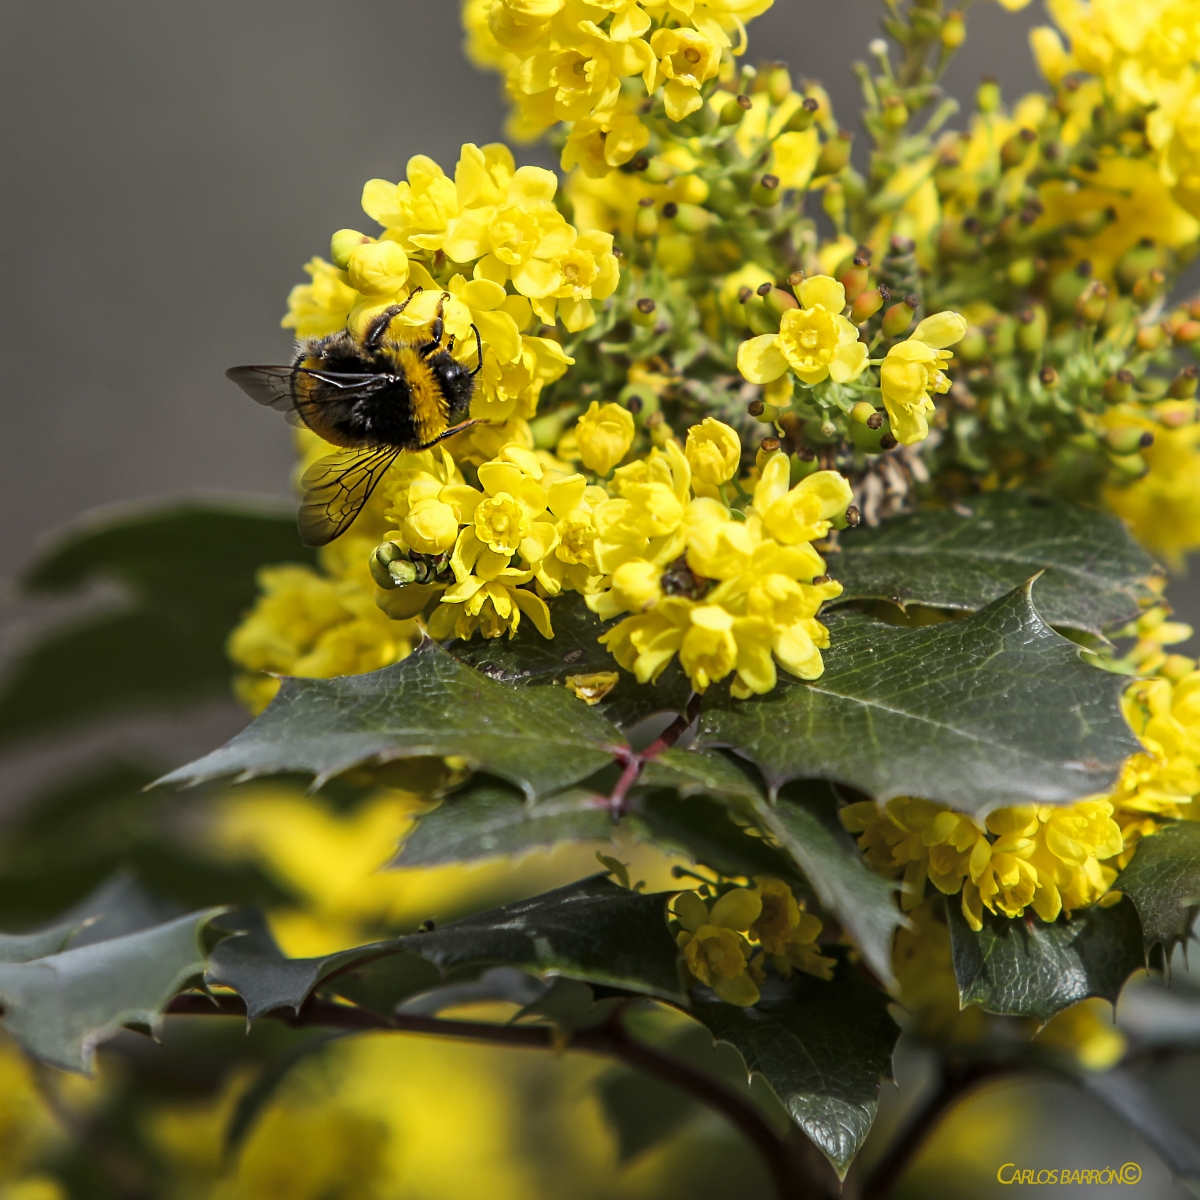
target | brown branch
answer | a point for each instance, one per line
(797, 1169)
(633, 762)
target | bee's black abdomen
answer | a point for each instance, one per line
(456, 384)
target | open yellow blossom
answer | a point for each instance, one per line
(686, 59)
(787, 933)
(913, 369)
(815, 341)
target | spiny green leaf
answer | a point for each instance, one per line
(1027, 968)
(24, 947)
(1096, 574)
(530, 660)
(1163, 881)
(592, 930)
(977, 713)
(804, 823)
(824, 1047)
(428, 704)
(189, 570)
(60, 1007)
(489, 820)
(701, 773)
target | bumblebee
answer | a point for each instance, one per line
(374, 396)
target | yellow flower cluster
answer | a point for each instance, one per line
(816, 341)
(731, 590)
(716, 940)
(1147, 55)
(494, 240)
(1045, 857)
(593, 63)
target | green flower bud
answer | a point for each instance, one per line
(735, 110)
(1091, 303)
(342, 243)
(1124, 441)
(1022, 272)
(867, 304)
(804, 462)
(1013, 152)
(835, 154)
(1118, 388)
(645, 220)
(987, 98)
(640, 399)
(658, 170)
(645, 312)
(862, 412)
(974, 345)
(899, 317)
(954, 31)
(1183, 386)
(803, 117)
(895, 113)
(857, 279)
(777, 301)
(766, 192)
(1031, 329)
(779, 84)
(1131, 465)
(689, 218)
(1068, 285)
(390, 566)
(1136, 263)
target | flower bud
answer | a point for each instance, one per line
(1092, 301)
(954, 31)
(645, 312)
(343, 242)
(974, 345)
(658, 170)
(779, 84)
(1068, 285)
(862, 413)
(713, 451)
(766, 192)
(689, 218)
(641, 400)
(948, 173)
(1118, 388)
(1022, 272)
(1048, 377)
(604, 435)
(645, 220)
(803, 463)
(987, 98)
(1149, 338)
(1183, 386)
(391, 567)
(735, 110)
(835, 154)
(777, 301)
(1031, 329)
(768, 414)
(1136, 263)
(867, 304)
(803, 117)
(1187, 333)
(1014, 150)
(1128, 440)
(856, 280)
(895, 113)
(377, 268)
(898, 318)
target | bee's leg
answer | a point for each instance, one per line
(452, 431)
(450, 344)
(479, 350)
(379, 326)
(436, 329)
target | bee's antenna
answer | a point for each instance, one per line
(479, 350)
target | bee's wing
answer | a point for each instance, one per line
(335, 490)
(276, 387)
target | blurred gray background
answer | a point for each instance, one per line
(165, 171)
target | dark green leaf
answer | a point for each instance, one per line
(592, 930)
(976, 713)
(58, 1008)
(530, 660)
(702, 773)
(24, 947)
(1027, 968)
(428, 704)
(189, 571)
(804, 823)
(1163, 881)
(1096, 574)
(823, 1047)
(700, 829)
(488, 820)
(253, 965)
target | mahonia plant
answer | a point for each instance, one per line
(800, 552)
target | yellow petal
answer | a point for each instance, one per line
(691, 911)
(822, 291)
(941, 330)
(738, 909)
(760, 360)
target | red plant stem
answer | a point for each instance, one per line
(634, 762)
(790, 1161)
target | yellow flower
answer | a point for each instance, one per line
(604, 140)
(686, 59)
(814, 341)
(714, 451)
(604, 435)
(321, 307)
(714, 950)
(802, 513)
(913, 369)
